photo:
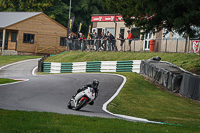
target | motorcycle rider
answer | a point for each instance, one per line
(93, 85)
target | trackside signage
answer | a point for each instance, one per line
(196, 46)
(111, 18)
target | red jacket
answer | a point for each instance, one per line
(130, 36)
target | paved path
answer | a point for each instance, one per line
(50, 93)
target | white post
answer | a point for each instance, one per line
(70, 8)
(3, 41)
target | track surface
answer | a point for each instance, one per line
(51, 93)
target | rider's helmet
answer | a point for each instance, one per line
(95, 83)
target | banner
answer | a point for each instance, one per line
(70, 25)
(196, 46)
(89, 30)
(79, 27)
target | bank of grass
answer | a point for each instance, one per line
(187, 61)
(41, 122)
(140, 98)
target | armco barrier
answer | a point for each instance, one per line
(96, 66)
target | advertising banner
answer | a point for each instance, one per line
(89, 30)
(196, 46)
(79, 27)
(70, 25)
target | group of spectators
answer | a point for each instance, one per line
(94, 42)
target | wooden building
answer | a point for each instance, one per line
(31, 33)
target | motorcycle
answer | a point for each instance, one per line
(82, 99)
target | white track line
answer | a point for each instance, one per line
(33, 71)
(23, 80)
(124, 116)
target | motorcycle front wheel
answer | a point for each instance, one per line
(81, 104)
(69, 105)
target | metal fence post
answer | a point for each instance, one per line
(176, 45)
(166, 46)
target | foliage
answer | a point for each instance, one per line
(58, 9)
(25, 5)
(151, 15)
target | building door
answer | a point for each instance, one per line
(147, 38)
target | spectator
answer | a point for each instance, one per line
(96, 40)
(130, 37)
(121, 38)
(82, 41)
(109, 41)
(103, 41)
(91, 41)
(69, 41)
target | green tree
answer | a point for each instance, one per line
(25, 5)
(150, 15)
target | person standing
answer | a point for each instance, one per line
(96, 41)
(103, 41)
(91, 41)
(121, 38)
(109, 41)
(130, 38)
(69, 41)
(114, 47)
(82, 41)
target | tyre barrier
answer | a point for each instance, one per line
(96, 66)
(172, 77)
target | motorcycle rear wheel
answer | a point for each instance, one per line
(81, 104)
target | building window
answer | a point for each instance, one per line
(14, 37)
(136, 33)
(122, 31)
(28, 38)
(62, 41)
(111, 30)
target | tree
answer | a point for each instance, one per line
(150, 15)
(25, 5)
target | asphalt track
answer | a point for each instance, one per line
(51, 93)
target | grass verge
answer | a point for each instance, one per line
(140, 98)
(41, 122)
(4, 81)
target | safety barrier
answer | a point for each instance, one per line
(172, 77)
(96, 66)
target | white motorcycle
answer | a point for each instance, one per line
(82, 99)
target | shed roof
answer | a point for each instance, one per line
(10, 18)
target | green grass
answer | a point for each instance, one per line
(186, 61)
(7, 59)
(41, 122)
(138, 98)
(4, 81)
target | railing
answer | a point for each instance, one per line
(170, 45)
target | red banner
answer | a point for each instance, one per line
(106, 18)
(196, 46)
